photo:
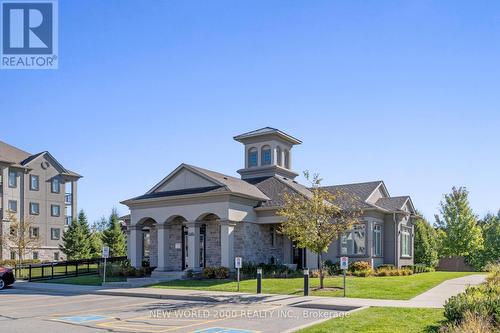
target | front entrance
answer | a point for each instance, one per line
(299, 257)
(202, 247)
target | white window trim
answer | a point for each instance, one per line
(405, 233)
(380, 232)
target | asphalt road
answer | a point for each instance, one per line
(28, 311)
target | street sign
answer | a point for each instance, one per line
(238, 262)
(344, 263)
(105, 252)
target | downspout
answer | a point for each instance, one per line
(396, 254)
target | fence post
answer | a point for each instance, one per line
(43, 270)
(66, 268)
(52, 267)
(88, 266)
(76, 268)
(29, 276)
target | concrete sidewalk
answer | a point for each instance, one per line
(433, 298)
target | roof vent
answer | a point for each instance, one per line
(225, 178)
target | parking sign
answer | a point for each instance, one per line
(344, 262)
(238, 262)
(105, 252)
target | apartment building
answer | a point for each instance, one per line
(36, 187)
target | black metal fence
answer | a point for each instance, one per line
(62, 269)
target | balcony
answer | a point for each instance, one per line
(68, 199)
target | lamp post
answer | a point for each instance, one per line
(259, 280)
(306, 281)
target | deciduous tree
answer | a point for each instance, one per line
(314, 221)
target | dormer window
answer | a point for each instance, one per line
(252, 157)
(266, 155)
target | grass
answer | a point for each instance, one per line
(387, 287)
(89, 280)
(381, 320)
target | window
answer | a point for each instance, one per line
(266, 155)
(35, 255)
(377, 240)
(55, 233)
(56, 185)
(34, 232)
(12, 255)
(34, 208)
(56, 256)
(272, 234)
(287, 159)
(12, 179)
(13, 206)
(353, 243)
(55, 210)
(405, 241)
(252, 157)
(34, 182)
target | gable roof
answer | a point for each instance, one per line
(11, 154)
(358, 191)
(222, 183)
(395, 204)
(275, 186)
(267, 131)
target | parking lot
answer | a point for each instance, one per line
(28, 311)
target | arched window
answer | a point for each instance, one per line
(266, 155)
(278, 152)
(252, 157)
(287, 159)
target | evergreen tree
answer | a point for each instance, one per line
(463, 235)
(95, 243)
(426, 243)
(114, 237)
(76, 240)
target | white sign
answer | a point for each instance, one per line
(344, 262)
(238, 262)
(105, 252)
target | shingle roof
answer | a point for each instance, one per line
(264, 131)
(232, 184)
(275, 187)
(392, 204)
(360, 192)
(12, 154)
(198, 190)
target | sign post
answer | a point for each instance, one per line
(238, 262)
(105, 255)
(344, 264)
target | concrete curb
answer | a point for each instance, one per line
(198, 298)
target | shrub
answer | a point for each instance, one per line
(363, 272)
(215, 272)
(472, 323)
(249, 270)
(386, 266)
(393, 272)
(13, 262)
(332, 268)
(360, 266)
(482, 300)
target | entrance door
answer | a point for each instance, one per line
(298, 257)
(202, 246)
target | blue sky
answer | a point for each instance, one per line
(403, 91)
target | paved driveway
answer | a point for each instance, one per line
(29, 311)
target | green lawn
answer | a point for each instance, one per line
(382, 320)
(90, 280)
(390, 287)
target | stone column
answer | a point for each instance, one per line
(135, 249)
(74, 196)
(227, 243)
(193, 261)
(163, 236)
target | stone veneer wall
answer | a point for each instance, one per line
(153, 242)
(253, 243)
(213, 255)
(174, 256)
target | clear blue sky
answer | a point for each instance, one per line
(404, 91)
